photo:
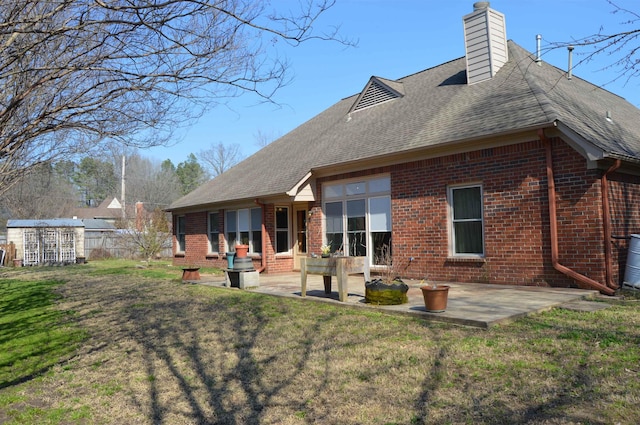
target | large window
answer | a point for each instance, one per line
(333, 225)
(213, 232)
(244, 227)
(466, 220)
(356, 228)
(358, 217)
(282, 230)
(380, 229)
(180, 233)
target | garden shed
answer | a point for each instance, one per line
(54, 241)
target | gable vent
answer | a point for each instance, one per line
(375, 93)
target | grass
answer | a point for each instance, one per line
(148, 349)
(33, 335)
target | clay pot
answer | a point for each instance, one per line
(241, 251)
(191, 273)
(435, 298)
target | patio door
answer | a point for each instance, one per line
(300, 243)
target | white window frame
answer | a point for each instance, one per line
(238, 212)
(452, 236)
(282, 229)
(213, 245)
(357, 189)
(181, 233)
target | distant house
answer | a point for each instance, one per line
(495, 167)
(109, 210)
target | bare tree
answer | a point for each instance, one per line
(146, 234)
(76, 74)
(220, 157)
(149, 182)
(263, 139)
(45, 195)
(622, 47)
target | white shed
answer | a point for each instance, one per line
(53, 241)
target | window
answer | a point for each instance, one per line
(244, 226)
(282, 229)
(358, 217)
(356, 230)
(333, 214)
(180, 233)
(380, 228)
(213, 231)
(466, 220)
(256, 230)
(231, 223)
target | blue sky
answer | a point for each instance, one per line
(398, 38)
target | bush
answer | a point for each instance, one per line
(99, 254)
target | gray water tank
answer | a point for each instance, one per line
(632, 273)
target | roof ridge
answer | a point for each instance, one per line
(546, 104)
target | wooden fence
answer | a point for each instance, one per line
(9, 254)
(96, 246)
(110, 245)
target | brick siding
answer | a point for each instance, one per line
(516, 218)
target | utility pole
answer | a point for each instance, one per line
(124, 214)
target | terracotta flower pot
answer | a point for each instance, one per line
(435, 298)
(191, 273)
(241, 251)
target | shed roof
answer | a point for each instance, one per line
(54, 222)
(97, 224)
(437, 109)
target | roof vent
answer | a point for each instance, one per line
(485, 39)
(377, 91)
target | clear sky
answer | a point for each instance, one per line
(398, 38)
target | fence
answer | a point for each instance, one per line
(7, 254)
(110, 245)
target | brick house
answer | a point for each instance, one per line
(495, 167)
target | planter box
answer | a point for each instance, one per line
(340, 267)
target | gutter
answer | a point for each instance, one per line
(263, 257)
(553, 226)
(606, 218)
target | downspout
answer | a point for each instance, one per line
(553, 226)
(263, 257)
(606, 218)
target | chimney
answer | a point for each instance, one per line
(485, 41)
(139, 216)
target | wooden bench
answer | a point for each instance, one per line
(340, 267)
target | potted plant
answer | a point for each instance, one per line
(388, 289)
(435, 297)
(326, 251)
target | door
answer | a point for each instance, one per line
(300, 244)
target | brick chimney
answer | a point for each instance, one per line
(140, 216)
(485, 41)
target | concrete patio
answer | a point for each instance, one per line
(469, 304)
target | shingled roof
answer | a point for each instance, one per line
(434, 108)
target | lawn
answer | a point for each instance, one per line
(128, 343)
